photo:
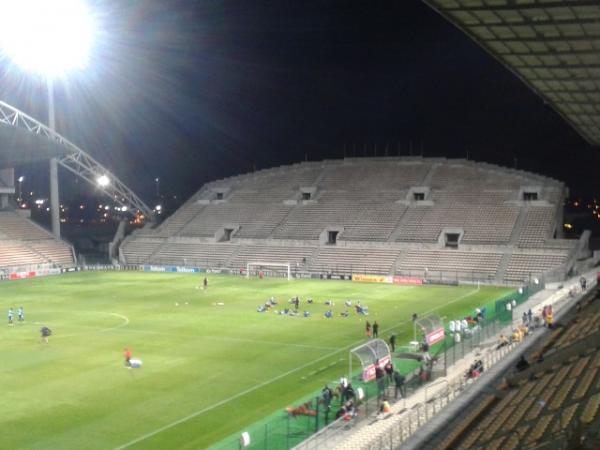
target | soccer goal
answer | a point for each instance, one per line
(376, 351)
(274, 268)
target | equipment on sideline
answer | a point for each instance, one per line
(135, 363)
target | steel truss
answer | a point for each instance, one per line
(77, 161)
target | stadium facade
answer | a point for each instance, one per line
(432, 218)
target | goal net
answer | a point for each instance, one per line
(269, 269)
(373, 353)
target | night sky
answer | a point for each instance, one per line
(191, 91)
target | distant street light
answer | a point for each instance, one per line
(157, 181)
(20, 180)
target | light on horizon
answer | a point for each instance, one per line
(47, 37)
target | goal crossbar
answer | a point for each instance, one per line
(267, 265)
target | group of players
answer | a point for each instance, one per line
(295, 302)
(20, 315)
(45, 332)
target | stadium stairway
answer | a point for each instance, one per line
(379, 434)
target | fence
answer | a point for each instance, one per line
(284, 430)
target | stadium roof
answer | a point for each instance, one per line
(18, 146)
(552, 45)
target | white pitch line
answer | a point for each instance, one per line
(223, 402)
(125, 320)
(265, 383)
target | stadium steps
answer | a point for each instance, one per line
(429, 175)
(37, 252)
(283, 220)
(394, 236)
(519, 224)
(156, 251)
(503, 266)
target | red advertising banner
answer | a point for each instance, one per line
(369, 371)
(435, 336)
(407, 280)
(21, 275)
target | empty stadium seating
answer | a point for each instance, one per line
(372, 201)
(354, 260)
(23, 243)
(449, 261)
(521, 266)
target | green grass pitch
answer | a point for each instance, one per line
(209, 371)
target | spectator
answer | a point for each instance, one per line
(327, 394)
(389, 370)
(380, 379)
(524, 318)
(452, 326)
(583, 283)
(522, 364)
(393, 342)
(399, 384)
(529, 317)
(502, 342)
(348, 393)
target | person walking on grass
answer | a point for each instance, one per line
(45, 334)
(375, 329)
(11, 316)
(368, 329)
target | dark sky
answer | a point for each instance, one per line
(190, 91)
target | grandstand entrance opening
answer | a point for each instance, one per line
(332, 237)
(227, 234)
(530, 196)
(373, 353)
(451, 240)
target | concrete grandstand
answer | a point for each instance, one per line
(426, 217)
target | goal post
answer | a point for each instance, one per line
(279, 267)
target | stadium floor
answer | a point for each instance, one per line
(209, 370)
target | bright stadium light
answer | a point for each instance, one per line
(49, 37)
(103, 181)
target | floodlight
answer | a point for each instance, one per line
(47, 37)
(158, 207)
(103, 181)
(21, 179)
